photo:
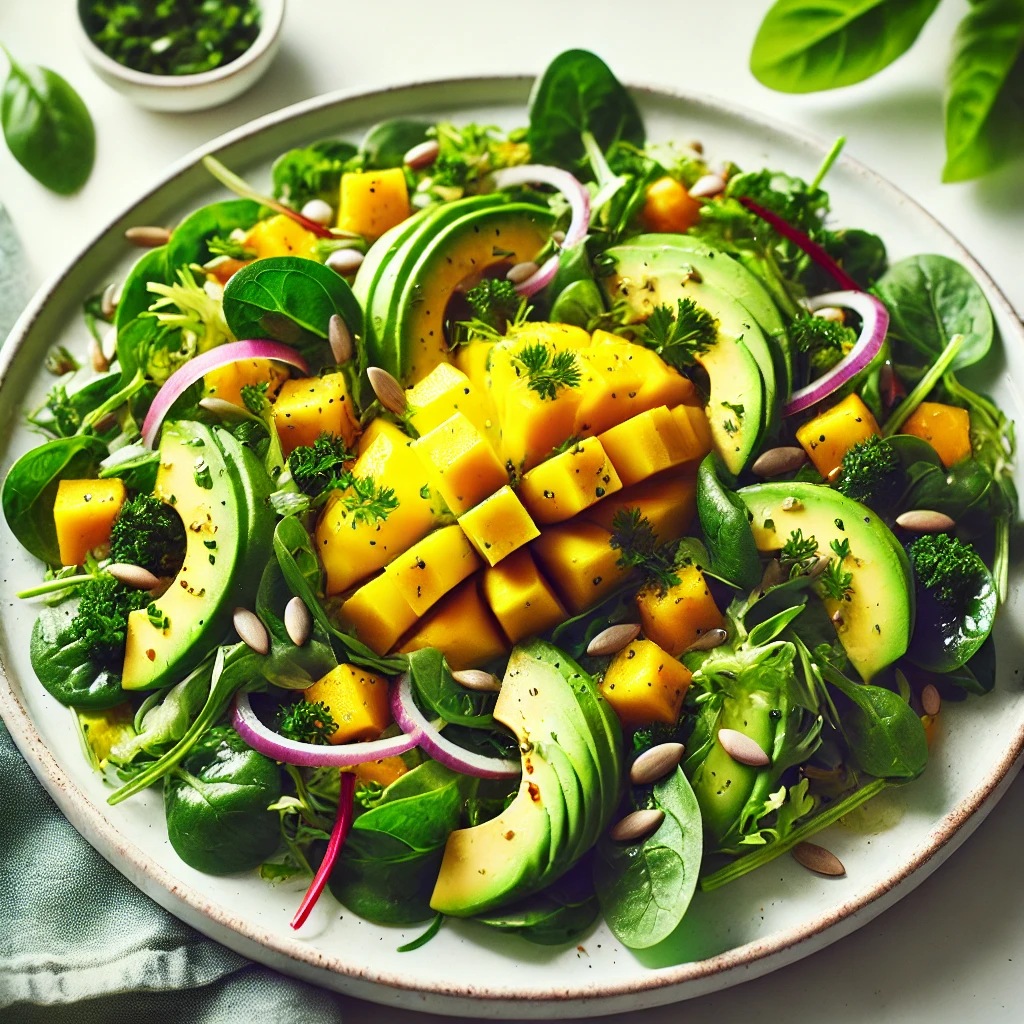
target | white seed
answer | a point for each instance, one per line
(834, 474)
(637, 826)
(930, 700)
(777, 461)
(251, 631)
(924, 520)
(109, 345)
(792, 504)
(388, 391)
(818, 859)
(340, 340)
(318, 212)
(477, 679)
(707, 186)
(558, 237)
(298, 622)
(655, 763)
(711, 639)
(696, 145)
(522, 271)
(97, 359)
(111, 297)
(148, 237)
(345, 261)
(837, 618)
(742, 748)
(222, 408)
(833, 313)
(613, 639)
(819, 566)
(422, 155)
(133, 576)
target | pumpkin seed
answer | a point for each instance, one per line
(773, 575)
(133, 576)
(109, 300)
(251, 631)
(340, 339)
(924, 520)
(742, 748)
(298, 622)
(707, 186)
(637, 826)
(777, 461)
(558, 237)
(818, 859)
(422, 155)
(834, 474)
(521, 271)
(97, 359)
(148, 237)
(318, 211)
(696, 145)
(345, 261)
(388, 391)
(712, 638)
(930, 700)
(613, 639)
(819, 566)
(833, 313)
(477, 679)
(655, 763)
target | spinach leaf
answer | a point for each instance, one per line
(47, 127)
(387, 143)
(136, 298)
(727, 533)
(804, 46)
(645, 888)
(216, 805)
(985, 95)
(578, 93)
(312, 172)
(930, 298)
(978, 676)
(189, 239)
(71, 400)
(435, 687)
(578, 304)
(31, 489)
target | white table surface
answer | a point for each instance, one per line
(954, 948)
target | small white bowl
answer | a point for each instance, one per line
(179, 93)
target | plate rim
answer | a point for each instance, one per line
(758, 953)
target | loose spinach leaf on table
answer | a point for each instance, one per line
(189, 240)
(441, 695)
(47, 127)
(726, 525)
(387, 143)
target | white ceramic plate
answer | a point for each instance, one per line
(769, 918)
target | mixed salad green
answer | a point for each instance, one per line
(523, 526)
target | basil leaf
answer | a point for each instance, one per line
(807, 45)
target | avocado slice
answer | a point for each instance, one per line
(196, 480)
(256, 487)
(878, 616)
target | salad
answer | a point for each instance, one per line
(523, 526)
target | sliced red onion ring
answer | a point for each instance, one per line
(312, 755)
(451, 755)
(875, 323)
(182, 379)
(579, 203)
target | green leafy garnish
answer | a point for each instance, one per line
(320, 466)
(547, 371)
(495, 302)
(149, 533)
(798, 554)
(835, 581)
(945, 566)
(306, 722)
(366, 502)
(233, 248)
(634, 537)
(680, 336)
(254, 397)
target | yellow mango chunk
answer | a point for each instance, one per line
(357, 700)
(83, 512)
(693, 424)
(521, 599)
(308, 406)
(226, 382)
(947, 428)
(378, 425)
(445, 391)
(472, 359)
(460, 463)
(578, 558)
(645, 684)
(568, 483)
(462, 627)
(644, 445)
(499, 525)
(382, 772)
(378, 613)
(832, 433)
(373, 201)
(280, 236)
(669, 207)
(668, 502)
(432, 567)
(675, 617)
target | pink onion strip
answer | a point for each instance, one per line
(195, 369)
(312, 755)
(875, 323)
(579, 203)
(451, 755)
(342, 823)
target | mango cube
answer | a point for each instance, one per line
(83, 513)
(644, 445)
(645, 684)
(357, 700)
(832, 433)
(378, 613)
(373, 201)
(280, 236)
(668, 502)
(947, 428)
(431, 567)
(445, 391)
(693, 424)
(460, 462)
(669, 207)
(579, 559)
(226, 382)
(568, 483)
(499, 525)
(381, 772)
(308, 406)
(677, 616)
(462, 627)
(521, 599)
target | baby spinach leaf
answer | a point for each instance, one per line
(978, 676)
(804, 46)
(312, 172)
(189, 239)
(47, 127)
(387, 143)
(435, 687)
(727, 533)
(985, 96)
(135, 297)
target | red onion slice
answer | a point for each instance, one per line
(579, 203)
(183, 378)
(875, 323)
(451, 755)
